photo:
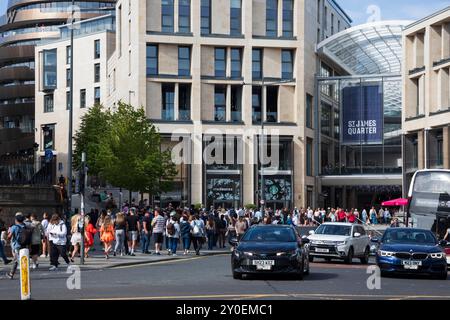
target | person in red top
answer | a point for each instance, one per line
(89, 232)
(351, 217)
(341, 215)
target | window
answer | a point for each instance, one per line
(220, 98)
(220, 64)
(68, 77)
(236, 103)
(184, 102)
(167, 15)
(97, 49)
(152, 60)
(97, 72)
(50, 73)
(256, 104)
(236, 17)
(48, 133)
(288, 18)
(68, 55)
(332, 24)
(83, 98)
(119, 29)
(272, 104)
(184, 16)
(48, 103)
(339, 26)
(168, 102)
(325, 18)
(97, 95)
(236, 63)
(271, 18)
(184, 61)
(206, 17)
(287, 64)
(68, 100)
(309, 111)
(326, 119)
(309, 151)
(257, 71)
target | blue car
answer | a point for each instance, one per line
(411, 251)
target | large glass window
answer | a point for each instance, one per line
(97, 96)
(206, 17)
(83, 98)
(272, 18)
(152, 60)
(97, 72)
(68, 54)
(236, 17)
(288, 18)
(184, 102)
(220, 98)
(97, 49)
(184, 61)
(236, 103)
(236, 63)
(257, 70)
(184, 16)
(220, 64)
(309, 111)
(50, 73)
(325, 119)
(272, 104)
(168, 102)
(68, 76)
(256, 104)
(309, 157)
(167, 16)
(287, 57)
(68, 100)
(48, 103)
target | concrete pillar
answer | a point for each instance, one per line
(420, 149)
(446, 143)
(197, 170)
(248, 169)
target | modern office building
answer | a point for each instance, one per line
(25, 24)
(426, 94)
(94, 44)
(225, 68)
(358, 118)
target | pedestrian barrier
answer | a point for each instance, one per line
(24, 262)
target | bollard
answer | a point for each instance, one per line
(24, 260)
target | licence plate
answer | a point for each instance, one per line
(263, 264)
(319, 250)
(411, 264)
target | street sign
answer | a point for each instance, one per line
(24, 259)
(48, 155)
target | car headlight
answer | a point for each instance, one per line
(341, 243)
(284, 254)
(438, 255)
(383, 253)
(250, 254)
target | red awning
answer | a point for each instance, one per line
(395, 203)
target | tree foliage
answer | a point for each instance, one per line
(125, 150)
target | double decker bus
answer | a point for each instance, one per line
(429, 200)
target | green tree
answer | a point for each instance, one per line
(93, 129)
(127, 153)
(130, 156)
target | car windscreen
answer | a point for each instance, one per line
(270, 235)
(409, 237)
(335, 230)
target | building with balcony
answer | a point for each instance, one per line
(26, 24)
(426, 94)
(358, 118)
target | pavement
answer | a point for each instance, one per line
(209, 277)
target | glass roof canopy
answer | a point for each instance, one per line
(369, 49)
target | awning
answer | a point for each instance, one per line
(395, 203)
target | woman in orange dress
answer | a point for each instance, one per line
(107, 235)
(89, 232)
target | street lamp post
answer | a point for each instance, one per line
(70, 151)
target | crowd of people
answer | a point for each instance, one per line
(136, 227)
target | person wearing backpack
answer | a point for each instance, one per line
(20, 237)
(197, 233)
(57, 235)
(173, 233)
(36, 240)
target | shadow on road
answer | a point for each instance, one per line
(285, 277)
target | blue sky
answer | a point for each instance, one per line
(389, 9)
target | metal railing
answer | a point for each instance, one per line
(20, 170)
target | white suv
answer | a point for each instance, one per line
(339, 241)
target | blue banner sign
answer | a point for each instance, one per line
(362, 115)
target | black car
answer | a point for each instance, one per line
(270, 249)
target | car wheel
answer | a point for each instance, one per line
(237, 275)
(365, 259)
(349, 258)
(311, 259)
